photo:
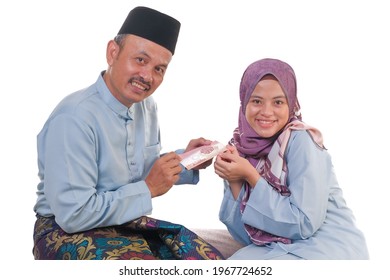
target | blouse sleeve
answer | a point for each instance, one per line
(230, 215)
(299, 215)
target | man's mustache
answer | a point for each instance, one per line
(141, 81)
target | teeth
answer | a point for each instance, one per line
(138, 86)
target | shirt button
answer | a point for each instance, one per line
(130, 112)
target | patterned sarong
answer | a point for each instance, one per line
(145, 238)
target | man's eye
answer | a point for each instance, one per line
(160, 70)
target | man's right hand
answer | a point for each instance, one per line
(163, 174)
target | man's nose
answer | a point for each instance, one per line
(146, 74)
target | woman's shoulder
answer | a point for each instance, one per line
(303, 138)
(301, 146)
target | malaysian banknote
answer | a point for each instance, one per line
(201, 154)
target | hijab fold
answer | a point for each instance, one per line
(267, 154)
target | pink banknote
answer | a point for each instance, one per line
(199, 155)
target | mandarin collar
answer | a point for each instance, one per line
(113, 103)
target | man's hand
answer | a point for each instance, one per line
(163, 174)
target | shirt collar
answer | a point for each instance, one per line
(117, 107)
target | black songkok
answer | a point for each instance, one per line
(152, 25)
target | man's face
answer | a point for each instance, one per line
(136, 70)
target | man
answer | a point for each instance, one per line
(99, 157)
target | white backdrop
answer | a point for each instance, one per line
(339, 50)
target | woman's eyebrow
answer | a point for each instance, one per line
(260, 97)
(280, 96)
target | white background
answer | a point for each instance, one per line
(338, 49)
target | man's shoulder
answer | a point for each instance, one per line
(76, 102)
(80, 96)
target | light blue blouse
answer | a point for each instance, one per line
(93, 156)
(315, 216)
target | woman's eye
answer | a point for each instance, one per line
(279, 102)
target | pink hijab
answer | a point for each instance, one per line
(267, 154)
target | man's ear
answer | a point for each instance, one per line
(112, 52)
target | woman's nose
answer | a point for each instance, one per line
(266, 110)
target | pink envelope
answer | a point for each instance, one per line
(201, 154)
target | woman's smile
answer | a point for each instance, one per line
(267, 111)
(265, 123)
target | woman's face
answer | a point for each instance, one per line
(267, 111)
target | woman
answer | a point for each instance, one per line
(281, 198)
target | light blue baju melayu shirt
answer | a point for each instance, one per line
(93, 156)
(315, 216)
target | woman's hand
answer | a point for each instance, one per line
(230, 166)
